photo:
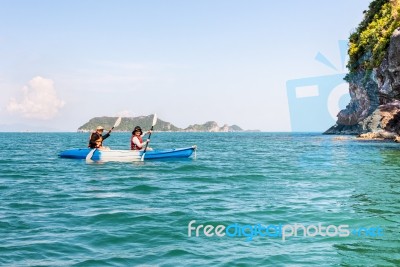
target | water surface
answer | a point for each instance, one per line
(63, 212)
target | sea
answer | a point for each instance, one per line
(246, 199)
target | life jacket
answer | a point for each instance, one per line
(133, 145)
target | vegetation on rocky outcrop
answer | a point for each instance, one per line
(374, 75)
(127, 124)
(369, 43)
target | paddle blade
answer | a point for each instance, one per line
(118, 122)
(154, 119)
(90, 155)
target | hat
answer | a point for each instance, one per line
(99, 128)
(137, 129)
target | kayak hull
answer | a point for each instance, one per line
(127, 155)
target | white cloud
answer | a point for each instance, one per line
(39, 100)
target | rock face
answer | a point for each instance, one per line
(375, 98)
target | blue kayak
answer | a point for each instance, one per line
(127, 155)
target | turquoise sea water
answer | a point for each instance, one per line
(63, 212)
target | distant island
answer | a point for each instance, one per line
(128, 123)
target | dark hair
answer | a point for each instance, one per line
(137, 129)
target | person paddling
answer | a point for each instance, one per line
(137, 139)
(96, 138)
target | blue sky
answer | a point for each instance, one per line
(63, 62)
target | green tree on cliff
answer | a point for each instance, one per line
(369, 43)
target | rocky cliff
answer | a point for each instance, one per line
(374, 75)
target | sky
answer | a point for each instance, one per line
(230, 61)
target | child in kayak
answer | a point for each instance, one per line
(96, 138)
(137, 139)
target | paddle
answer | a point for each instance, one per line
(90, 155)
(148, 139)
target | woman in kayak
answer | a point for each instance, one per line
(137, 139)
(96, 138)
